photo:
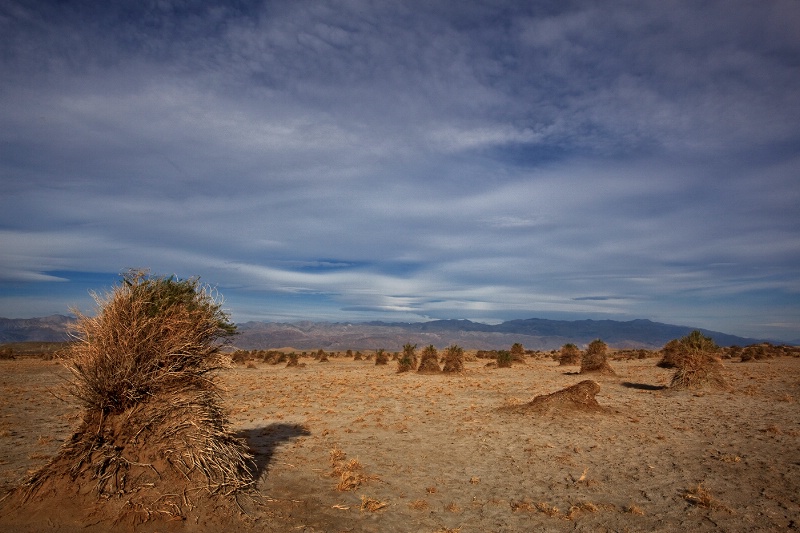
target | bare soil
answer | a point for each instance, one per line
(441, 453)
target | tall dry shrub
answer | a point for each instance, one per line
(517, 353)
(453, 359)
(569, 355)
(429, 361)
(153, 432)
(694, 342)
(407, 361)
(595, 358)
(150, 334)
(381, 357)
(504, 359)
(697, 363)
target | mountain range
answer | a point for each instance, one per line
(532, 333)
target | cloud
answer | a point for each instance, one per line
(338, 158)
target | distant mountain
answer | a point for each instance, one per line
(44, 329)
(533, 333)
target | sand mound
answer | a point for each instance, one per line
(579, 397)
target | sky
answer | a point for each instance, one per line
(404, 161)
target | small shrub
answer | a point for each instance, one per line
(696, 370)
(7, 352)
(595, 358)
(569, 355)
(429, 361)
(408, 361)
(504, 359)
(453, 359)
(517, 353)
(381, 357)
(698, 363)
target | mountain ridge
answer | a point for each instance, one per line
(533, 333)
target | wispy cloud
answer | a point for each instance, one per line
(336, 159)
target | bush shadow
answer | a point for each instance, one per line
(263, 442)
(643, 386)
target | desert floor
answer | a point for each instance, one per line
(436, 453)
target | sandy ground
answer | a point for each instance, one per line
(435, 452)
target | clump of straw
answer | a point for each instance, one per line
(153, 431)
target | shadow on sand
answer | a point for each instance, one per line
(264, 440)
(643, 386)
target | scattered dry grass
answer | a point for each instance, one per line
(701, 497)
(371, 504)
(633, 509)
(419, 505)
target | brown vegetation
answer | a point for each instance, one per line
(453, 359)
(407, 361)
(381, 357)
(697, 363)
(595, 359)
(504, 359)
(429, 361)
(517, 353)
(569, 355)
(153, 431)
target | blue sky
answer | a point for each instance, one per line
(357, 160)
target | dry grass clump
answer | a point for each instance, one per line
(293, 360)
(381, 357)
(758, 352)
(697, 370)
(698, 363)
(429, 361)
(517, 353)
(595, 359)
(569, 355)
(371, 504)
(349, 472)
(453, 359)
(701, 497)
(419, 505)
(670, 354)
(504, 359)
(408, 361)
(153, 432)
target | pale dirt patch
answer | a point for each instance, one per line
(629, 467)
